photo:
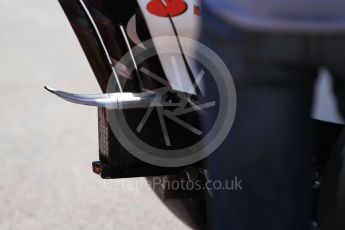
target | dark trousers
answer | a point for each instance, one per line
(270, 145)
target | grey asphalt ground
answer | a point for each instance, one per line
(47, 145)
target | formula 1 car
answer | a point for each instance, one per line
(136, 77)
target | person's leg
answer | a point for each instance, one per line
(269, 146)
